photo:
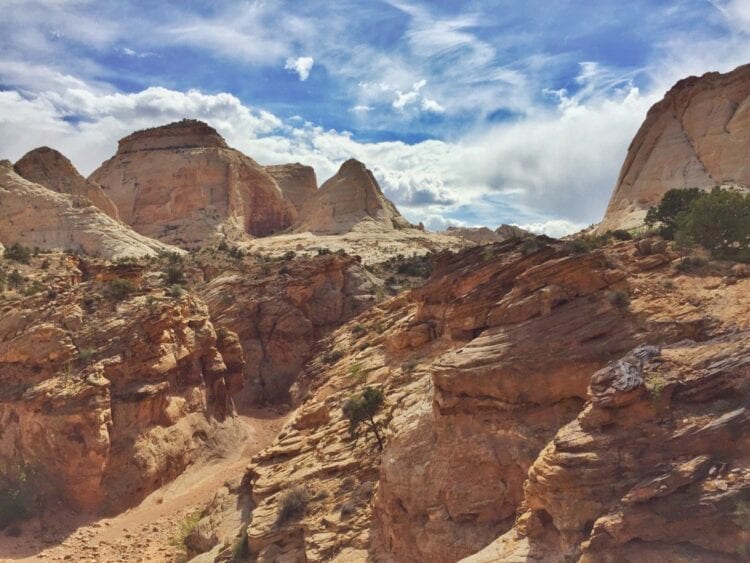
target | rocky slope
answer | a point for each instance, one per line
(484, 235)
(296, 181)
(49, 168)
(351, 199)
(36, 216)
(697, 136)
(182, 184)
(499, 399)
(109, 386)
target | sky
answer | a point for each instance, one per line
(469, 113)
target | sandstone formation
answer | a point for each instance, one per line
(481, 368)
(483, 235)
(280, 310)
(36, 216)
(696, 137)
(49, 168)
(182, 184)
(351, 199)
(297, 182)
(106, 398)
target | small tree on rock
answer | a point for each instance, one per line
(363, 408)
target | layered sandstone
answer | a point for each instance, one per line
(36, 216)
(297, 182)
(484, 235)
(696, 137)
(48, 168)
(351, 199)
(180, 183)
(106, 398)
(282, 309)
(481, 368)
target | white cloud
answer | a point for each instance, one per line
(554, 227)
(300, 65)
(361, 108)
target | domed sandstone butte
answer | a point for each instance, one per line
(350, 200)
(34, 215)
(49, 168)
(181, 183)
(698, 136)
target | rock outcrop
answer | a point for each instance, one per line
(182, 184)
(351, 199)
(297, 182)
(36, 216)
(108, 396)
(48, 168)
(483, 235)
(281, 310)
(696, 137)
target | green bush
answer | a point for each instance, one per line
(119, 288)
(333, 356)
(362, 408)
(18, 253)
(690, 263)
(667, 214)
(620, 234)
(719, 221)
(619, 299)
(530, 246)
(176, 291)
(15, 280)
(173, 275)
(17, 494)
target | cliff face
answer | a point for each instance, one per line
(297, 182)
(34, 215)
(180, 183)
(350, 200)
(698, 136)
(49, 168)
(109, 398)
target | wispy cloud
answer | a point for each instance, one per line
(300, 65)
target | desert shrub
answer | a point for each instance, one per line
(409, 366)
(667, 214)
(118, 288)
(15, 280)
(719, 221)
(176, 291)
(173, 275)
(240, 550)
(416, 266)
(289, 255)
(45, 264)
(223, 246)
(34, 288)
(690, 263)
(362, 408)
(292, 505)
(85, 354)
(333, 356)
(18, 253)
(530, 246)
(17, 495)
(355, 370)
(358, 329)
(186, 527)
(324, 251)
(619, 298)
(576, 246)
(620, 234)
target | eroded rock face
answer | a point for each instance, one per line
(48, 168)
(180, 183)
(350, 199)
(656, 470)
(282, 310)
(297, 182)
(110, 399)
(34, 215)
(696, 137)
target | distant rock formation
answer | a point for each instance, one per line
(34, 215)
(49, 168)
(182, 184)
(483, 235)
(698, 136)
(350, 200)
(298, 182)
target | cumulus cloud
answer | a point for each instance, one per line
(300, 65)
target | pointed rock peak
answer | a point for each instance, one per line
(352, 165)
(183, 134)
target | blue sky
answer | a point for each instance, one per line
(476, 112)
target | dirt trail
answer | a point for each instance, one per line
(145, 532)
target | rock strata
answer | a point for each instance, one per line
(297, 182)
